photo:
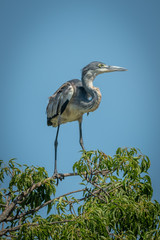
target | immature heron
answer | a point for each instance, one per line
(74, 98)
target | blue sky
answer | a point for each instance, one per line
(46, 43)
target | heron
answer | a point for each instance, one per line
(75, 98)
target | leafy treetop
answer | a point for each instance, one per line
(115, 203)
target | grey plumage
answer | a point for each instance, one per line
(74, 98)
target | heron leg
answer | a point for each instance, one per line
(82, 145)
(80, 134)
(55, 146)
(56, 174)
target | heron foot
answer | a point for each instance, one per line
(58, 176)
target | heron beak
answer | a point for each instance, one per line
(114, 68)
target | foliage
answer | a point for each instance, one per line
(115, 204)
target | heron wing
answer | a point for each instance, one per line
(59, 101)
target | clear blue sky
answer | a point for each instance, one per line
(46, 43)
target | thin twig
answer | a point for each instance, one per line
(100, 189)
(93, 194)
(112, 234)
(115, 188)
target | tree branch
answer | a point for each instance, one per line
(31, 211)
(9, 209)
(5, 231)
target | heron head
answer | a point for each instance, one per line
(95, 68)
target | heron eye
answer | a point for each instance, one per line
(100, 65)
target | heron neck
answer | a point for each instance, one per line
(94, 92)
(87, 81)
